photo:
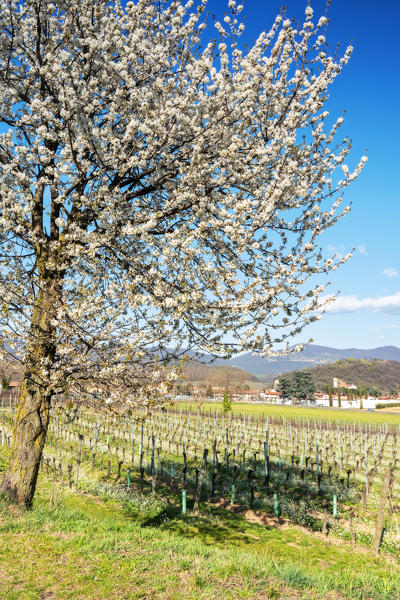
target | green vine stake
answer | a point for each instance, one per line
(276, 505)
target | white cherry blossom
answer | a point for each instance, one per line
(158, 191)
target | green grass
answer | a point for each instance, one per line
(111, 544)
(300, 412)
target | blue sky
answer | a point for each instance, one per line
(368, 313)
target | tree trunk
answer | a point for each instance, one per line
(32, 417)
(29, 435)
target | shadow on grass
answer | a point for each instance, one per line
(212, 525)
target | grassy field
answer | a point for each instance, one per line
(300, 412)
(95, 546)
(104, 541)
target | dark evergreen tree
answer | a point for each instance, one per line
(303, 386)
(284, 388)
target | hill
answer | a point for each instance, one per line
(382, 374)
(198, 371)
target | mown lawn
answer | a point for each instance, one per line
(94, 545)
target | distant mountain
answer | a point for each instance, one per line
(326, 354)
(310, 356)
(265, 368)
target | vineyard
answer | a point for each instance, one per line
(336, 478)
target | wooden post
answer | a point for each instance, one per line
(351, 527)
(141, 478)
(198, 491)
(325, 521)
(141, 449)
(381, 512)
(133, 444)
(213, 468)
(78, 460)
(53, 486)
(69, 471)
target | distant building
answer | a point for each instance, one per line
(343, 384)
(270, 395)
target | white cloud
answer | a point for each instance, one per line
(362, 249)
(390, 303)
(390, 272)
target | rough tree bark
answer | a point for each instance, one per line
(32, 417)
